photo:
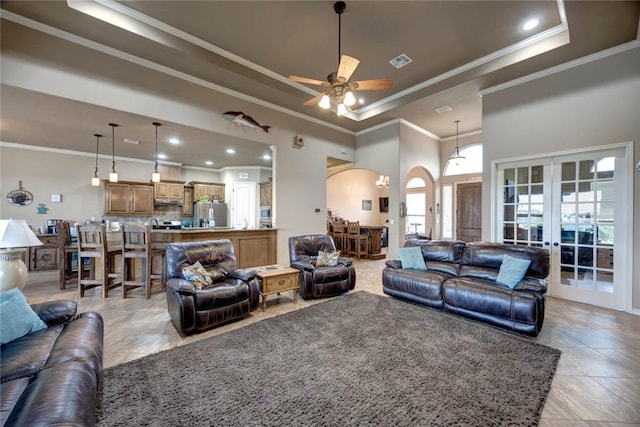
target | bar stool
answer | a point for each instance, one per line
(354, 236)
(339, 235)
(92, 244)
(66, 251)
(136, 245)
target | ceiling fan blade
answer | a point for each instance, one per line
(348, 65)
(314, 100)
(375, 84)
(307, 80)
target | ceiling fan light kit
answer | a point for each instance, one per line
(338, 88)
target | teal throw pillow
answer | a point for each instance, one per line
(411, 258)
(512, 270)
(17, 317)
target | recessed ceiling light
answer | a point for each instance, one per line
(208, 163)
(530, 24)
(132, 141)
(174, 141)
(162, 156)
(231, 151)
(361, 101)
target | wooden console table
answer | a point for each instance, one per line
(375, 231)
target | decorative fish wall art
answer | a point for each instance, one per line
(241, 119)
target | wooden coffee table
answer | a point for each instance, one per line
(275, 279)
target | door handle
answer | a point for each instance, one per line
(546, 243)
(555, 243)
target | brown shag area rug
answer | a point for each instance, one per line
(358, 359)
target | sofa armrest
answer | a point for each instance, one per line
(181, 286)
(303, 266)
(532, 284)
(393, 263)
(345, 261)
(244, 274)
(56, 312)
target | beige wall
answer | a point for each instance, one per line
(592, 105)
(346, 191)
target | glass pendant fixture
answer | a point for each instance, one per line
(349, 99)
(342, 110)
(95, 181)
(113, 176)
(155, 176)
(456, 155)
(325, 102)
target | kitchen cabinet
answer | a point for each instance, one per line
(187, 203)
(128, 198)
(265, 193)
(168, 192)
(44, 257)
(215, 191)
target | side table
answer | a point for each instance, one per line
(275, 279)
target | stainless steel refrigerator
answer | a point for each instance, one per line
(205, 212)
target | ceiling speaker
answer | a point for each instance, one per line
(298, 142)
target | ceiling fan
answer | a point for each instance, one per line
(337, 84)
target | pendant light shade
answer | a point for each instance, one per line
(113, 176)
(95, 181)
(456, 155)
(155, 176)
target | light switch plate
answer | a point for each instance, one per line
(56, 198)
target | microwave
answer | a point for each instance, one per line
(265, 213)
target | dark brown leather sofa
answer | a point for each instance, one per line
(320, 282)
(233, 294)
(461, 279)
(52, 377)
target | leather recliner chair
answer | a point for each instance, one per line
(319, 282)
(233, 294)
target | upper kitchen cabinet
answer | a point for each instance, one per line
(168, 192)
(128, 198)
(265, 193)
(214, 191)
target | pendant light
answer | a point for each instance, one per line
(155, 176)
(95, 181)
(113, 176)
(456, 155)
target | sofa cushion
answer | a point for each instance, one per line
(327, 259)
(17, 317)
(27, 355)
(196, 274)
(411, 258)
(512, 270)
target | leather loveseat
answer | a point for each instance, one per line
(52, 377)
(233, 294)
(461, 279)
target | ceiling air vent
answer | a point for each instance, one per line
(444, 109)
(400, 61)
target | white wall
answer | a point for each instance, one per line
(595, 104)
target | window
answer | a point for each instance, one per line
(416, 206)
(471, 164)
(447, 210)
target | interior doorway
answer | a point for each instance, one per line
(469, 211)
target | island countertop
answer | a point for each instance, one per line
(253, 246)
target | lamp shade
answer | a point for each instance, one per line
(15, 233)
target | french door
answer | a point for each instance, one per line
(575, 206)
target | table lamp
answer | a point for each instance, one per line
(15, 236)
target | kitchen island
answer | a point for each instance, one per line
(253, 247)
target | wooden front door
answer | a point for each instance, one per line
(469, 212)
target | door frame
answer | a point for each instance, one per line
(625, 246)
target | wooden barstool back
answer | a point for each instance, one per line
(92, 244)
(66, 252)
(136, 245)
(356, 240)
(339, 235)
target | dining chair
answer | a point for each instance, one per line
(66, 252)
(92, 244)
(136, 246)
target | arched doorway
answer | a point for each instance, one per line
(420, 220)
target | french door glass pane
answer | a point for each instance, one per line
(587, 227)
(522, 205)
